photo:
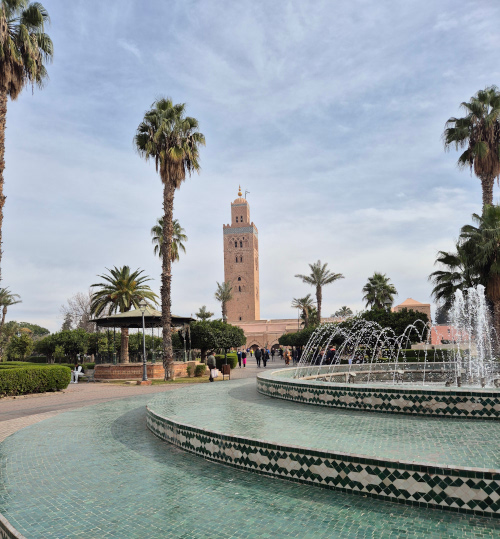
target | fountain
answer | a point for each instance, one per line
(362, 365)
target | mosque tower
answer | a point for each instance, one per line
(241, 263)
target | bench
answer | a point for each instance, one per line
(89, 376)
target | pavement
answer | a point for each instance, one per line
(19, 412)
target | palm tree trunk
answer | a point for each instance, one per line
(124, 357)
(166, 277)
(306, 318)
(319, 299)
(4, 314)
(487, 188)
(3, 119)
(224, 312)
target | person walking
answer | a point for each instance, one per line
(244, 358)
(211, 365)
(272, 354)
(265, 357)
(281, 353)
(258, 356)
(239, 357)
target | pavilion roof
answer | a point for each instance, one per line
(133, 319)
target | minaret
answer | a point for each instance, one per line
(241, 263)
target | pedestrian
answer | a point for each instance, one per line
(287, 357)
(258, 356)
(281, 353)
(211, 366)
(251, 352)
(244, 358)
(265, 357)
(76, 373)
(239, 358)
(272, 354)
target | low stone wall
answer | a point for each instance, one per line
(446, 402)
(7, 531)
(465, 490)
(133, 371)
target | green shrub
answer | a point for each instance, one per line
(232, 359)
(200, 370)
(35, 359)
(89, 366)
(33, 379)
(189, 370)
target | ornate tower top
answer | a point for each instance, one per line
(239, 191)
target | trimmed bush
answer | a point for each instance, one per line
(33, 379)
(189, 371)
(200, 370)
(232, 359)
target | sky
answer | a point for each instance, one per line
(329, 113)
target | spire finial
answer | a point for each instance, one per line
(239, 191)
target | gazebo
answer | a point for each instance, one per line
(133, 320)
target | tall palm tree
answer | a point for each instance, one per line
(178, 237)
(319, 277)
(457, 274)
(170, 138)
(224, 293)
(7, 298)
(305, 304)
(24, 49)
(379, 291)
(120, 291)
(203, 313)
(479, 133)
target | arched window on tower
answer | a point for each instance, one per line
(239, 278)
(241, 219)
(236, 244)
(236, 219)
(236, 259)
(241, 244)
(241, 259)
(239, 288)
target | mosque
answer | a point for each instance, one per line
(241, 269)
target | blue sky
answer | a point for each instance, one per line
(329, 113)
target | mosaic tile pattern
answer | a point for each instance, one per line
(463, 403)
(457, 488)
(133, 485)
(7, 531)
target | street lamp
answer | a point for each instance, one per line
(142, 306)
(388, 303)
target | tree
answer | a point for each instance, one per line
(68, 323)
(19, 347)
(442, 316)
(178, 237)
(481, 245)
(24, 49)
(7, 299)
(78, 308)
(397, 321)
(343, 312)
(457, 273)
(171, 139)
(320, 276)
(479, 133)
(213, 334)
(203, 314)
(120, 291)
(223, 294)
(36, 330)
(305, 304)
(379, 291)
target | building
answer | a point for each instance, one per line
(413, 305)
(241, 263)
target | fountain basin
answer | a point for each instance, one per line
(376, 396)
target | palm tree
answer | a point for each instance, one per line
(7, 298)
(457, 275)
(24, 48)
(481, 245)
(171, 139)
(203, 314)
(224, 293)
(319, 277)
(343, 312)
(379, 291)
(178, 238)
(479, 133)
(305, 304)
(120, 291)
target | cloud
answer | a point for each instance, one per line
(130, 47)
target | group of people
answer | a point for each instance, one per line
(263, 355)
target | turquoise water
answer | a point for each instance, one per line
(239, 410)
(98, 472)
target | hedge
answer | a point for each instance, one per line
(33, 379)
(200, 369)
(232, 359)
